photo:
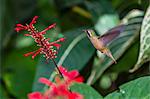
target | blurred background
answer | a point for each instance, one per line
(19, 74)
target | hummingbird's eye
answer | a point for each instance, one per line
(88, 33)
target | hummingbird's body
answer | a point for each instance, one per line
(96, 43)
(100, 42)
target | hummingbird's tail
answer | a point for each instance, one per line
(108, 53)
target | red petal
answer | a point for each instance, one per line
(79, 79)
(48, 39)
(57, 79)
(35, 95)
(62, 90)
(46, 81)
(27, 34)
(48, 28)
(56, 45)
(27, 54)
(70, 75)
(73, 74)
(62, 39)
(36, 53)
(20, 27)
(33, 20)
(74, 95)
(17, 29)
(63, 70)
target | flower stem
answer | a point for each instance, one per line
(57, 68)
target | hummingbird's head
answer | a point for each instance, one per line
(89, 32)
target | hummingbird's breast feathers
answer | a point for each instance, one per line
(96, 43)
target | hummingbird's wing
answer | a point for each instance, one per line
(111, 34)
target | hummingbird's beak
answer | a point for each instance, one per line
(108, 53)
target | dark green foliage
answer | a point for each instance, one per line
(138, 88)
(19, 74)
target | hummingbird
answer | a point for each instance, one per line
(100, 42)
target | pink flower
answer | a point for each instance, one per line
(46, 47)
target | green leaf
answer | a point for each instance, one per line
(13, 11)
(47, 11)
(144, 53)
(74, 54)
(119, 45)
(87, 91)
(127, 60)
(3, 93)
(18, 72)
(136, 89)
(63, 4)
(22, 42)
(106, 22)
(123, 8)
(98, 8)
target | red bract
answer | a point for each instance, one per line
(57, 90)
(71, 75)
(61, 86)
(35, 95)
(46, 47)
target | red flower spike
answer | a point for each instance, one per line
(46, 47)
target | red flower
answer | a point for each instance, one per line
(35, 95)
(46, 47)
(60, 88)
(71, 75)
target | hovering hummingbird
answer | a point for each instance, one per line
(100, 43)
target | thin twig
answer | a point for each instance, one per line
(57, 68)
